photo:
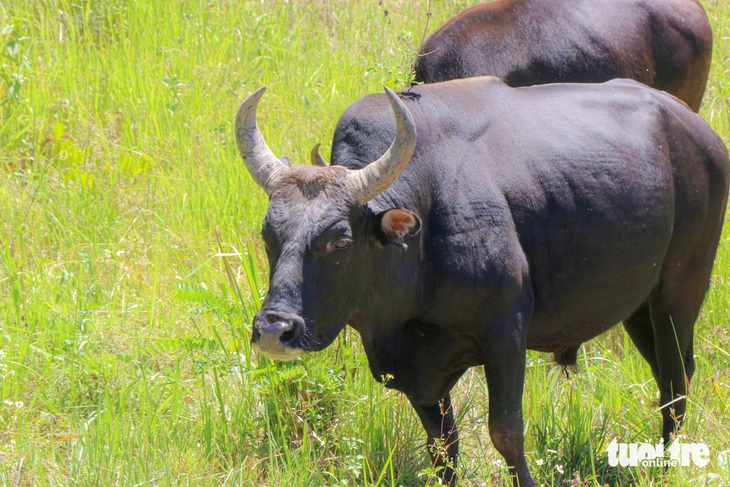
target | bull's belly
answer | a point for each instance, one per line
(579, 312)
(588, 277)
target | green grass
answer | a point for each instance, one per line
(130, 266)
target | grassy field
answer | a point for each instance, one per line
(130, 266)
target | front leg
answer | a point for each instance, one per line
(443, 440)
(504, 367)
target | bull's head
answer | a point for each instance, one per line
(319, 234)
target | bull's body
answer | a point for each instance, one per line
(557, 200)
(547, 215)
(666, 44)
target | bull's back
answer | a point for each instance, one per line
(665, 44)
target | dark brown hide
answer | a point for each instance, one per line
(666, 44)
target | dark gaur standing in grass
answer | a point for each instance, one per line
(493, 220)
(666, 44)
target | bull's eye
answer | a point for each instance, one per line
(342, 243)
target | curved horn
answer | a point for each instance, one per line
(375, 178)
(316, 157)
(264, 166)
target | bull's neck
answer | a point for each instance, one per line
(394, 291)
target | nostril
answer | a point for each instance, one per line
(278, 332)
(280, 327)
(290, 333)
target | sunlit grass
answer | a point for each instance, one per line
(130, 265)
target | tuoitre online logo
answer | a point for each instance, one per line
(678, 454)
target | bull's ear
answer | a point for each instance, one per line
(395, 224)
(285, 160)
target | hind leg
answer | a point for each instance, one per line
(671, 347)
(674, 309)
(655, 337)
(641, 331)
(662, 330)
